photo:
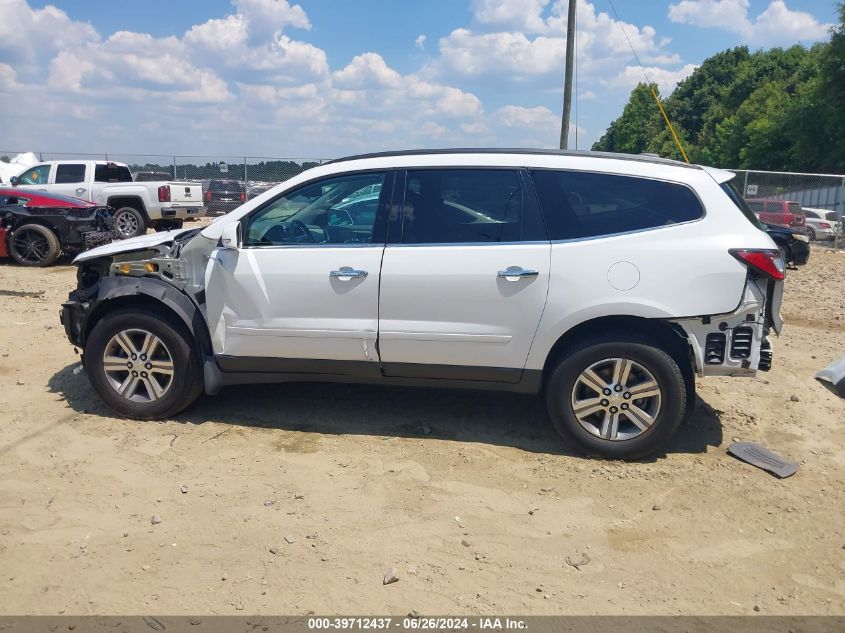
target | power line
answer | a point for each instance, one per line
(648, 81)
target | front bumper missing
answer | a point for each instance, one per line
(72, 317)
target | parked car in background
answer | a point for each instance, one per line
(777, 212)
(257, 188)
(604, 282)
(151, 176)
(794, 245)
(222, 196)
(35, 227)
(819, 227)
(162, 205)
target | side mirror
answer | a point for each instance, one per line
(14, 180)
(232, 236)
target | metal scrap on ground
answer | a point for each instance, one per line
(762, 457)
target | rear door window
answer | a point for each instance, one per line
(70, 173)
(467, 206)
(585, 204)
(112, 173)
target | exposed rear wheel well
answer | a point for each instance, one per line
(668, 336)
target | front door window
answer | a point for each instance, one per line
(36, 175)
(339, 210)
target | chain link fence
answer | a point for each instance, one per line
(821, 196)
(255, 174)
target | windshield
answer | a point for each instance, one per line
(733, 193)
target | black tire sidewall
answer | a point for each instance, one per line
(142, 223)
(55, 247)
(187, 378)
(661, 365)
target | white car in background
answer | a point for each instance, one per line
(603, 282)
(821, 224)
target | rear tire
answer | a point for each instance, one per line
(811, 234)
(129, 222)
(143, 363)
(34, 245)
(610, 420)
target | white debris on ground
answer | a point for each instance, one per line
(16, 165)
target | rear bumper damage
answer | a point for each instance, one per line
(737, 344)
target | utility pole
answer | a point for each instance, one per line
(567, 82)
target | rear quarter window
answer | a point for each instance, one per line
(585, 204)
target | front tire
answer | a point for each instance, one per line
(143, 364)
(129, 222)
(34, 245)
(616, 396)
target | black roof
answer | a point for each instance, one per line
(646, 158)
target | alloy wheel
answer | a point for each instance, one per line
(616, 399)
(138, 365)
(30, 246)
(126, 223)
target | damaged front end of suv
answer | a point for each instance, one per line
(163, 269)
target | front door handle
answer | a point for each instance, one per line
(515, 273)
(345, 273)
(80, 190)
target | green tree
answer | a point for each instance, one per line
(779, 109)
(632, 132)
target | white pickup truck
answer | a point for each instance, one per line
(163, 205)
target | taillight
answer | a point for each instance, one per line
(164, 193)
(243, 197)
(766, 262)
(824, 225)
(208, 196)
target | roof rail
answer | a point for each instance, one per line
(504, 150)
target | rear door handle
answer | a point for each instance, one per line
(515, 273)
(345, 273)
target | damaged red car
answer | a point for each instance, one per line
(37, 227)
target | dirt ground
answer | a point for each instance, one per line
(296, 498)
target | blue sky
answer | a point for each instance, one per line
(322, 78)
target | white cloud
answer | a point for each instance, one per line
(367, 71)
(267, 17)
(536, 118)
(28, 36)
(523, 15)
(666, 80)
(466, 53)
(242, 82)
(539, 48)
(777, 25)
(8, 77)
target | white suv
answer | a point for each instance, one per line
(604, 282)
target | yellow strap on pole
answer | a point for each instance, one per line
(669, 125)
